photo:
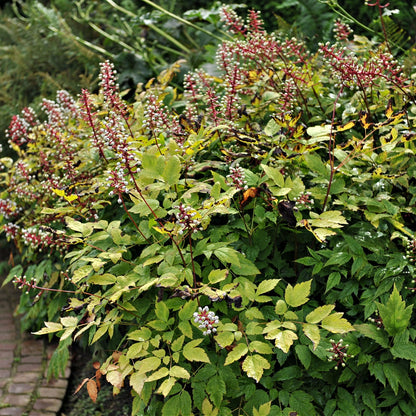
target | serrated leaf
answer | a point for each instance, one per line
(157, 375)
(275, 175)
(172, 170)
(236, 353)
(298, 295)
(193, 353)
(92, 390)
(406, 351)
(208, 409)
(264, 409)
(284, 340)
(69, 321)
(49, 328)
(319, 313)
(216, 389)
(137, 382)
(266, 286)
(148, 364)
(82, 272)
(179, 372)
(217, 275)
(395, 315)
(115, 378)
(103, 279)
(187, 310)
(312, 332)
(280, 307)
(166, 386)
(304, 355)
(162, 311)
(336, 323)
(371, 331)
(254, 365)
(224, 339)
(261, 347)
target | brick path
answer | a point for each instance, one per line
(24, 390)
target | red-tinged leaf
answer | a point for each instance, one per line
(92, 390)
(80, 385)
(98, 375)
(96, 365)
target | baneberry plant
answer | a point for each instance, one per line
(209, 244)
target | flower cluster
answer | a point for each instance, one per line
(355, 73)
(304, 200)
(40, 239)
(411, 251)
(9, 208)
(21, 126)
(378, 321)
(341, 31)
(236, 177)
(186, 219)
(338, 353)
(206, 319)
(11, 230)
(116, 179)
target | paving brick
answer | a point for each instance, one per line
(17, 399)
(50, 405)
(41, 413)
(22, 388)
(31, 346)
(30, 368)
(12, 411)
(52, 393)
(31, 359)
(4, 374)
(25, 377)
(6, 364)
(7, 346)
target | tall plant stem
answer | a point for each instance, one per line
(331, 150)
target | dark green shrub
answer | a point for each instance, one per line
(246, 246)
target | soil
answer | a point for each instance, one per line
(80, 404)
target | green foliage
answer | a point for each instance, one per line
(244, 246)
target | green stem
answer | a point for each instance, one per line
(166, 12)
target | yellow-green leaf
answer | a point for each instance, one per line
(137, 382)
(319, 313)
(312, 332)
(148, 364)
(157, 375)
(236, 353)
(336, 323)
(224, 339)
(217, 275)
(298, 295)
(179, 372)
(49, 328)
(254, 365)
(281, 307)
(261, 347)
(82, 272)
(266, 286)
(193, 353)
(166, 386)
(284, 340)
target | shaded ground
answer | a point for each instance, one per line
(80, 404)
